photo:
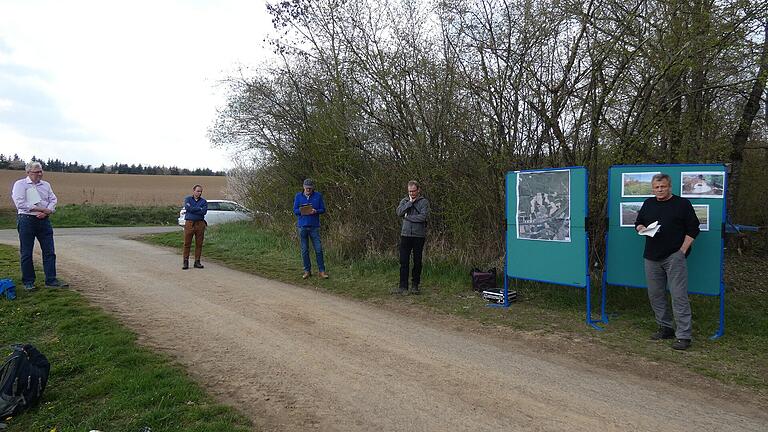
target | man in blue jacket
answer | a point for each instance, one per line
(308, 205)
(194, 225)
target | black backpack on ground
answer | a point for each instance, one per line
(23, 377)
(483, 280)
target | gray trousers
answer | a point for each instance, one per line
(670, 273)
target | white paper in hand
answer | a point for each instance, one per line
(33, 197)
(650, 230)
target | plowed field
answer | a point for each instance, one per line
(117, 189)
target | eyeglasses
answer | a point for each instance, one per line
(35, 172)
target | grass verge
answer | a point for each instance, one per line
(100, 379)
(90, 215)
(739, 358)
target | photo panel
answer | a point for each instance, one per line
(702, 184)
(702, 212)
(637, 184)
(543, 205)
(628, 213)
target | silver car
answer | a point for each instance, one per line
(222, 211)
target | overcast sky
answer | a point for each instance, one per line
(130, 82)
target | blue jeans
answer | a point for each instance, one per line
(29, 228)
(305, 234)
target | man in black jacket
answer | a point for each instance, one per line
(665, 258)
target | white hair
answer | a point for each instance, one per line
(34, 164)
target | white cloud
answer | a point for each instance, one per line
(135, 80)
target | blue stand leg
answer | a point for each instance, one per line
(603, 312)
(590, 321)
(506, 290)
(721, 327)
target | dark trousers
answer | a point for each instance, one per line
(194, 229)
(408, 245)
(670, 273)
(31, 228)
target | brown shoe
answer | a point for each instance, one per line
(323, 275)
(306, 275)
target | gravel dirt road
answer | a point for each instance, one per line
(296, 359)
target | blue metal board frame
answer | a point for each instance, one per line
(586, 283)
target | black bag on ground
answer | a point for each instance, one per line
(483, 280)
(23, 377)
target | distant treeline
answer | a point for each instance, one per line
(15, 162)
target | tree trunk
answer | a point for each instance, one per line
(751, 108)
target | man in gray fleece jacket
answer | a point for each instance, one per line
(414, 210)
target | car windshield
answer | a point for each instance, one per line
(213, 206)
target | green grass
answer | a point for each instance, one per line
(740, 357)
(100, 379)
(638, 189)
(90, 215)
(7, 218)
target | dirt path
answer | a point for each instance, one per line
(296, 359)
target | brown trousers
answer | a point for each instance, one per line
(196, 229)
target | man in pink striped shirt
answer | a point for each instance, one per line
(35, 202)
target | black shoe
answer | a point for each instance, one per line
(663, 333)
(414, 290)
(29, 287)
(681, 344)
(185, 266)
(57, 284)
(198, 265)
(398, 291)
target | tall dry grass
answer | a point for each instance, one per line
(118, 189)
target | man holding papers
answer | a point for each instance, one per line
(670, 225)
(308, 205)
(35, 201)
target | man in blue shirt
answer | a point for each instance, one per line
(195, 207)
(308, 205)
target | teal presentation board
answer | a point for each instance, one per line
(546, 238)
(629, 185)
